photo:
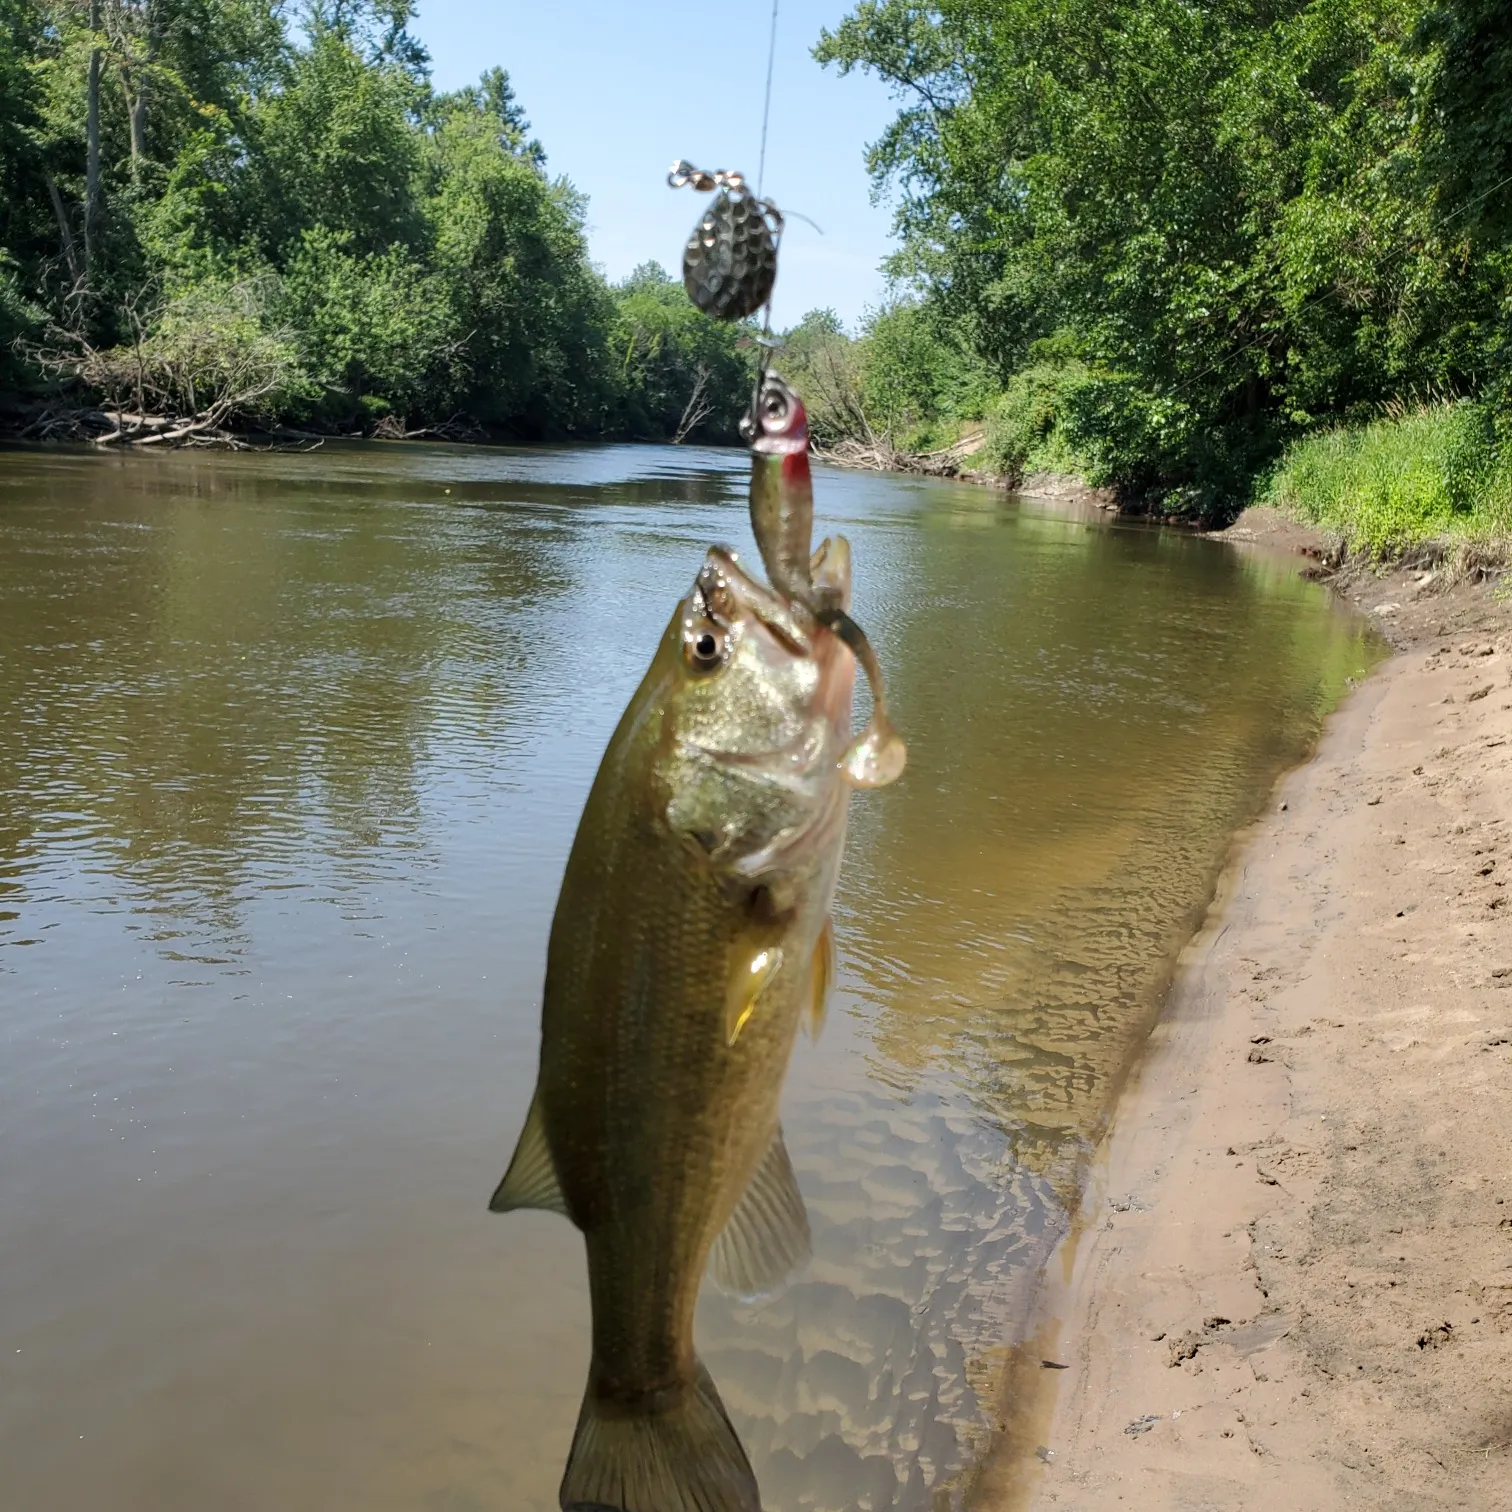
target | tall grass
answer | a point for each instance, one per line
(1434, 476)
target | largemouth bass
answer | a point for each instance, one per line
(691, 935)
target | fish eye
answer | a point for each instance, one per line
(704, 646)
(774, 406)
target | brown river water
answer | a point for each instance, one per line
(291, 752)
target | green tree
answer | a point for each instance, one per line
(533, 313)
(275, 216)
(1252, 217)
(681, 373)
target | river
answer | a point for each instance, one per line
(292, 748)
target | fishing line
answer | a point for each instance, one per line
(766, 109)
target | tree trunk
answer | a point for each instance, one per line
(92, 147)
(65, 231)
(138, 129)
(136, 85)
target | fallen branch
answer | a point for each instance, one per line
(878, 454)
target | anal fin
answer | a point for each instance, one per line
(531, 1180)
(767, 1237)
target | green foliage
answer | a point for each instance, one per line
(916, 379)
(266, 178)
(1025, 429)
(906, 381)
(337, 149)
(370, 325)
(19, 320)
(1253, 219)
(1434, 474)
(534, 315)
(681, 374)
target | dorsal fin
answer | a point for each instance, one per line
(767, 1237)
(531, 1180)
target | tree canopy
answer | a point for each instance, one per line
(1222, 223)
(209, 198)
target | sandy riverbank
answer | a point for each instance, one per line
(1293, 1286)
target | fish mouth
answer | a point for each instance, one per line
(726, 593)
(723, 591)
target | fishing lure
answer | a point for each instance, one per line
(730, 261)
(729, 268)
(782, 520)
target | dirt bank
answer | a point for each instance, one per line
(1294, 1283)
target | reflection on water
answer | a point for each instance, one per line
(292, 748)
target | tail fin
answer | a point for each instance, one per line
(684, 1458)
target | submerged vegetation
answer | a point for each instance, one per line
(215, 212)
(1180, 238)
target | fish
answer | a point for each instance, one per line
(691, 935)
(782, 520)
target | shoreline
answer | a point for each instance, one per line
(1290, 1281)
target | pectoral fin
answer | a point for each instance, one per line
(767, 1237)
(531, 1180)
(822, 974)
(750, 976)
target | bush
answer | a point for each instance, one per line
(917, 381)
(1387, 487)
(207, 355)
(371, 326)
(1062, 414)
(1024, 425)
(19, 319)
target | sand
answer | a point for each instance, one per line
(1292, 1284)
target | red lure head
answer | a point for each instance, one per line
(779, 426)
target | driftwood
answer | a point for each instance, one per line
(111, 427)
(878, 454)
(395, 428)
(194, 368)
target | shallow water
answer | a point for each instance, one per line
(291, 753)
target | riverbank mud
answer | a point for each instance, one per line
(1292, 1281)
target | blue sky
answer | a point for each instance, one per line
(616, 92)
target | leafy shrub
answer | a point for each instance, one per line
(917, 380)
(370, 325)
(1023, 425)
(19, 318)
(1389, 486)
